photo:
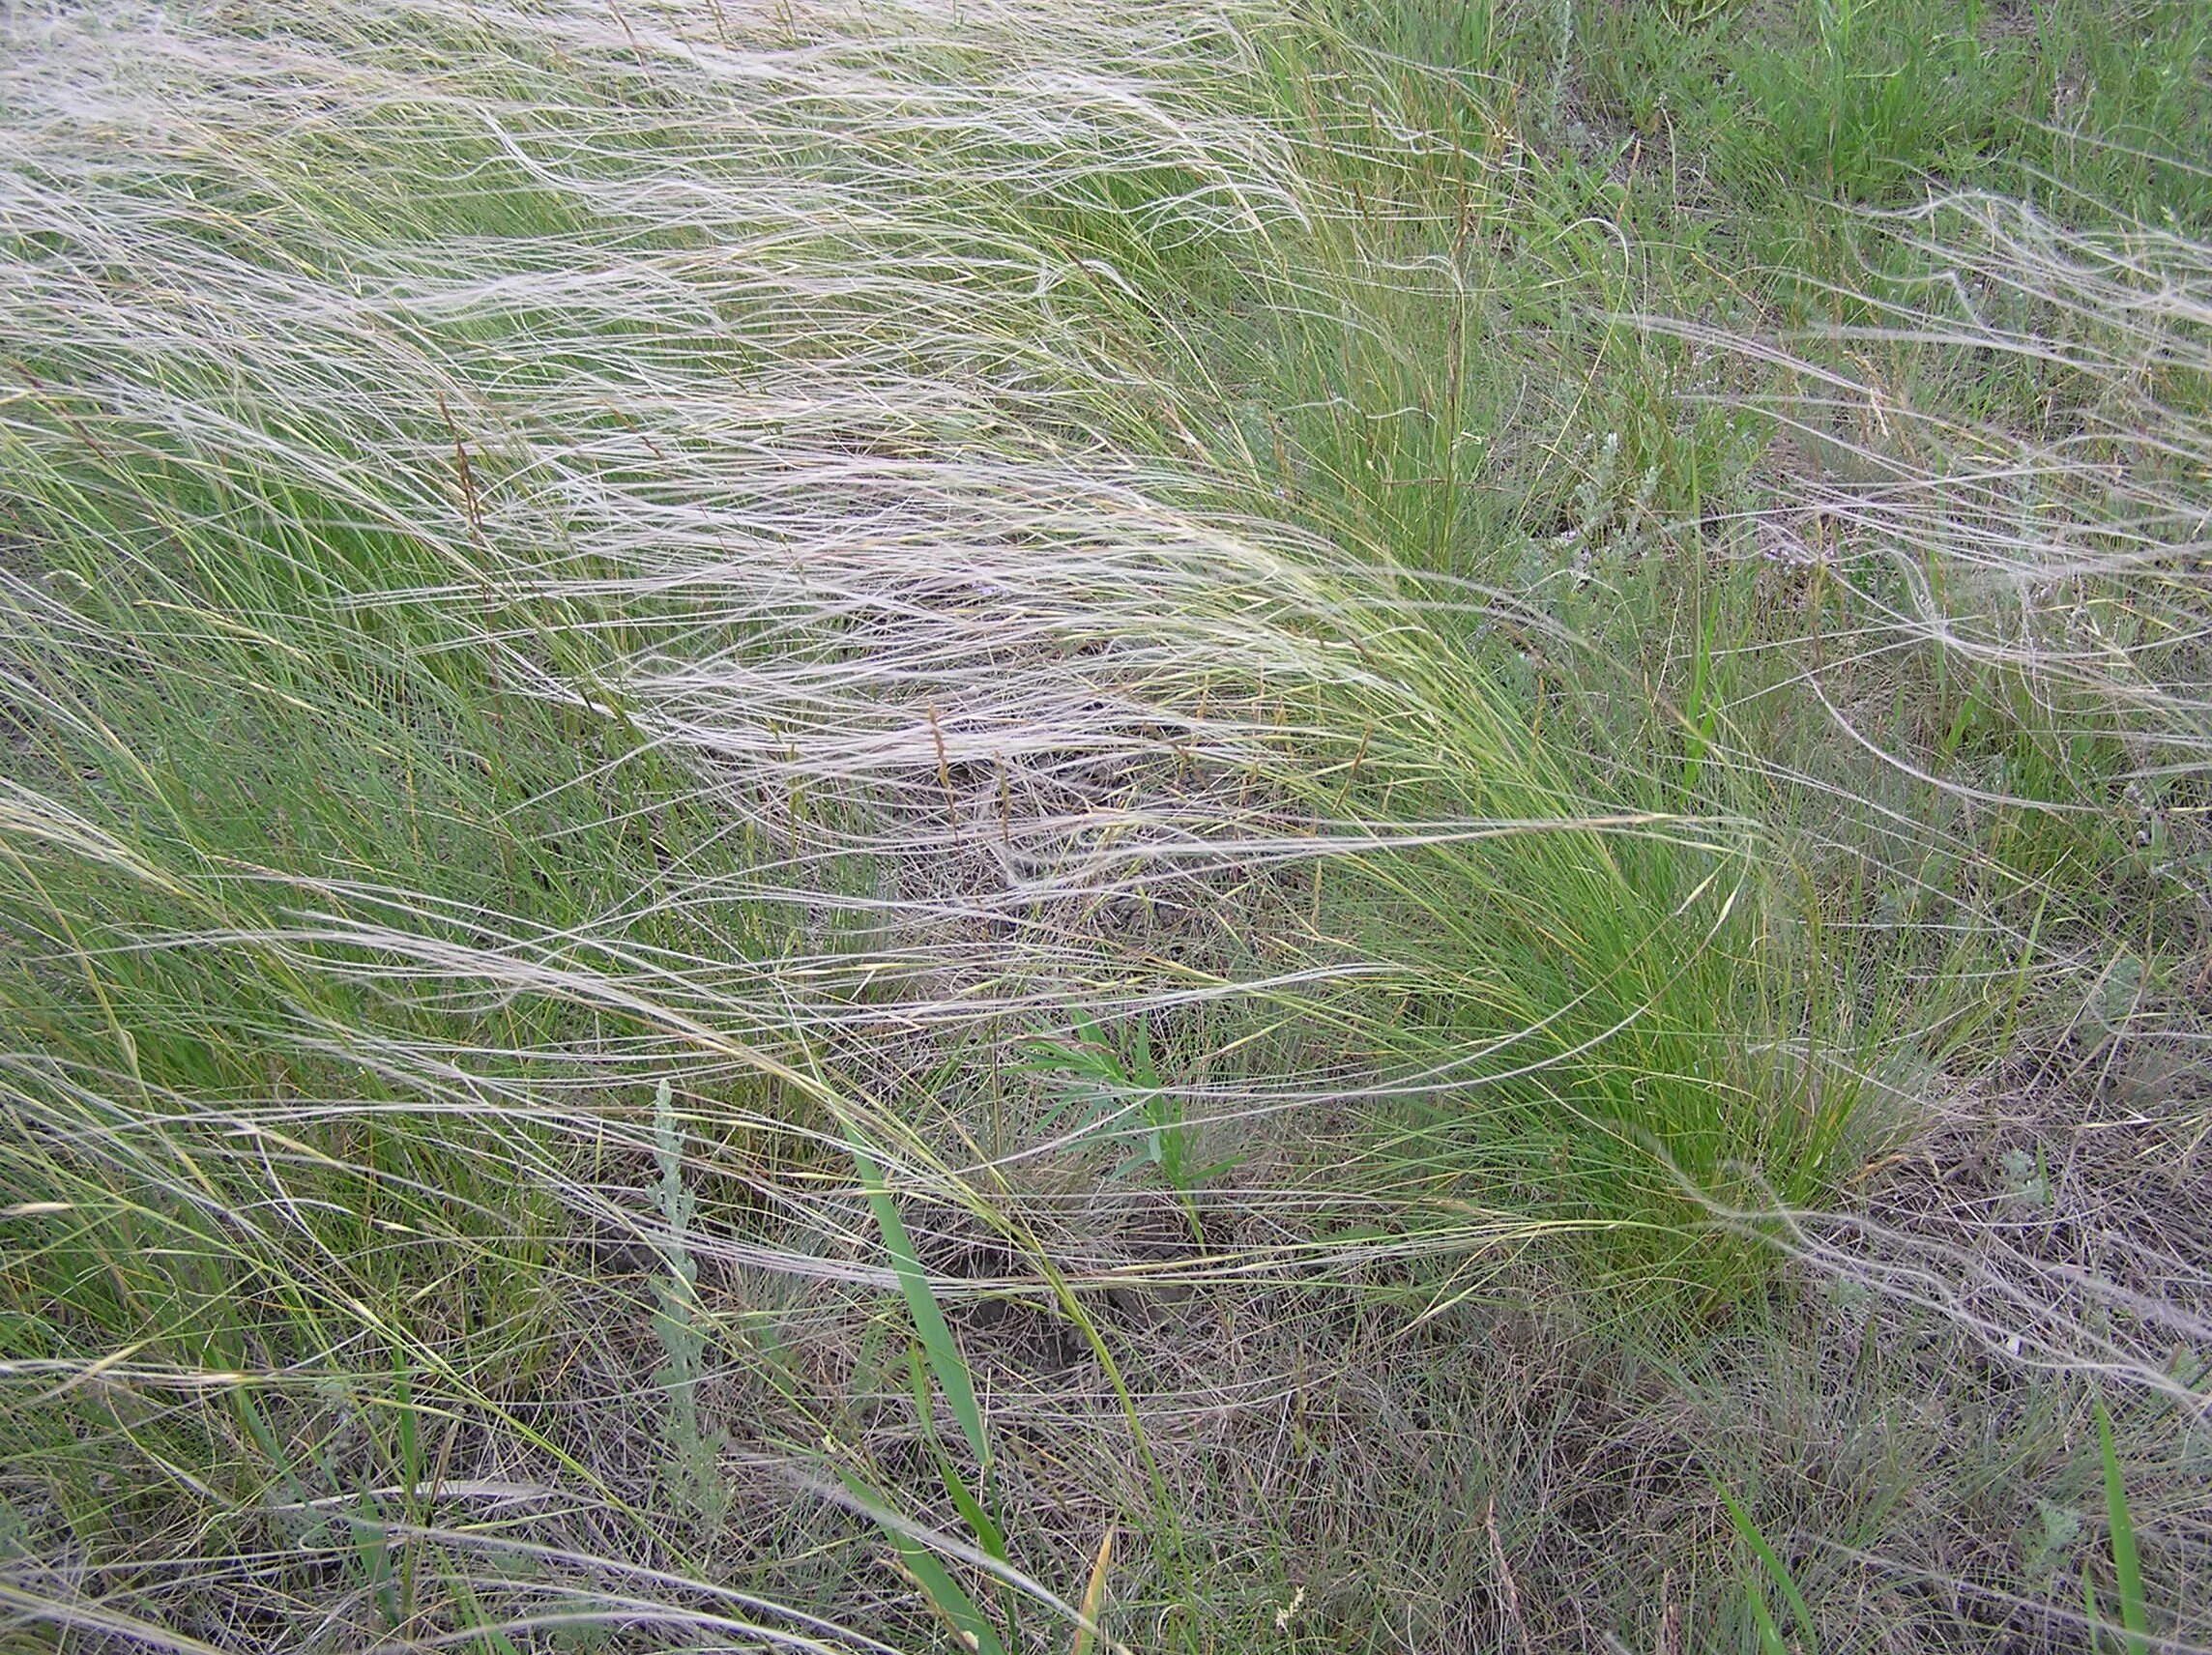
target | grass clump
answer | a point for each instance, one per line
(1296, 826)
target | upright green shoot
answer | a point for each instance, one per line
(2127, 1563)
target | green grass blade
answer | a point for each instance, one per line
(1775, 1568)
(2127, 1564)
(1769, 1634)
(946, 1363)
(946, 1596)
(988, 1535)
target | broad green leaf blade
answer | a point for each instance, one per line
(946, 1363)
(1775, 1567)
(2127, 1563)
(946, 1595)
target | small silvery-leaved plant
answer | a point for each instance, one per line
(692, 1472)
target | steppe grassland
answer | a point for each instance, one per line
(1340, 827)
